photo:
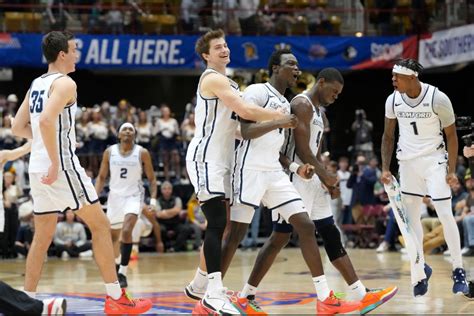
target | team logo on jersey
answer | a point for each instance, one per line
(411, 115)
(426, 104)
(81, 194)
(250, 51)
(398, 104)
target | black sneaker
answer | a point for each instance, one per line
(122, 280)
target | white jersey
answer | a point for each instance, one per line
(420, 120)
(125, 171)
(65, 128)
(316, 134)
(263, 153)
(216, 124)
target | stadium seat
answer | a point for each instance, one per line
(14, 21)
(168, 24)
(32, 22)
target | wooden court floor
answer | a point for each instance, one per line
(287, 289)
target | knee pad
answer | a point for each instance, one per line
(332, 240)
(215, 212)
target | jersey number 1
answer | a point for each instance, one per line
(37, 102)
(415, 129)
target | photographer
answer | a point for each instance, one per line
(363, 138)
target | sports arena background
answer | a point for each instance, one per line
(141, 53)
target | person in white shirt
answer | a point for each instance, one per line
(427, 165)
(57, 180)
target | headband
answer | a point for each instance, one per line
(404, 71)
(127, 124)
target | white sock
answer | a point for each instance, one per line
(215, 281)
(30, 294)
(118, 259)
(358, 290)
(248, 290)
(123, 270)
(113, 290)
(321, 286)
(200, 279)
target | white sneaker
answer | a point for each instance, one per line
(194, 293)
(219, 302)
(465, 250)
(447, 253)
(86, 254)
(65, 255)
(54, 306)
(383, 247)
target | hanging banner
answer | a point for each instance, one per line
(448, 47)
(177, 52)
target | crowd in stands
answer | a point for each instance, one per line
(362, 212)
(246, 17)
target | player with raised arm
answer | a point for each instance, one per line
(210, 153)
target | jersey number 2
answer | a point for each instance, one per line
(415, 129)
(123, 173)
(37, 102)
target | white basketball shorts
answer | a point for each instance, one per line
(119, 206)
(425, 175)
(271, 188)
(209, 180)
(316, 199)
(72, 190)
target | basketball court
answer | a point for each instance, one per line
(286, 289)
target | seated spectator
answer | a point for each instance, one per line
(318, 19)
(391, 232)
(468, 220)
(24, 238)
(169, 132)
(115, 19)
(168, 216)
(197, 220)
(70, 239)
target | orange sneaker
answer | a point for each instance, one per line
(248, 305)
(200, 309)
(376, 297)
(126, 305)
(334, 305)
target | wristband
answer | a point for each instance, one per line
(153, 202)
(293, 167)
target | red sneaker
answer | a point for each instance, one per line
(334, 305)
(126, 305)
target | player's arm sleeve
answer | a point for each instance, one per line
(389, 107)
(443, 107)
